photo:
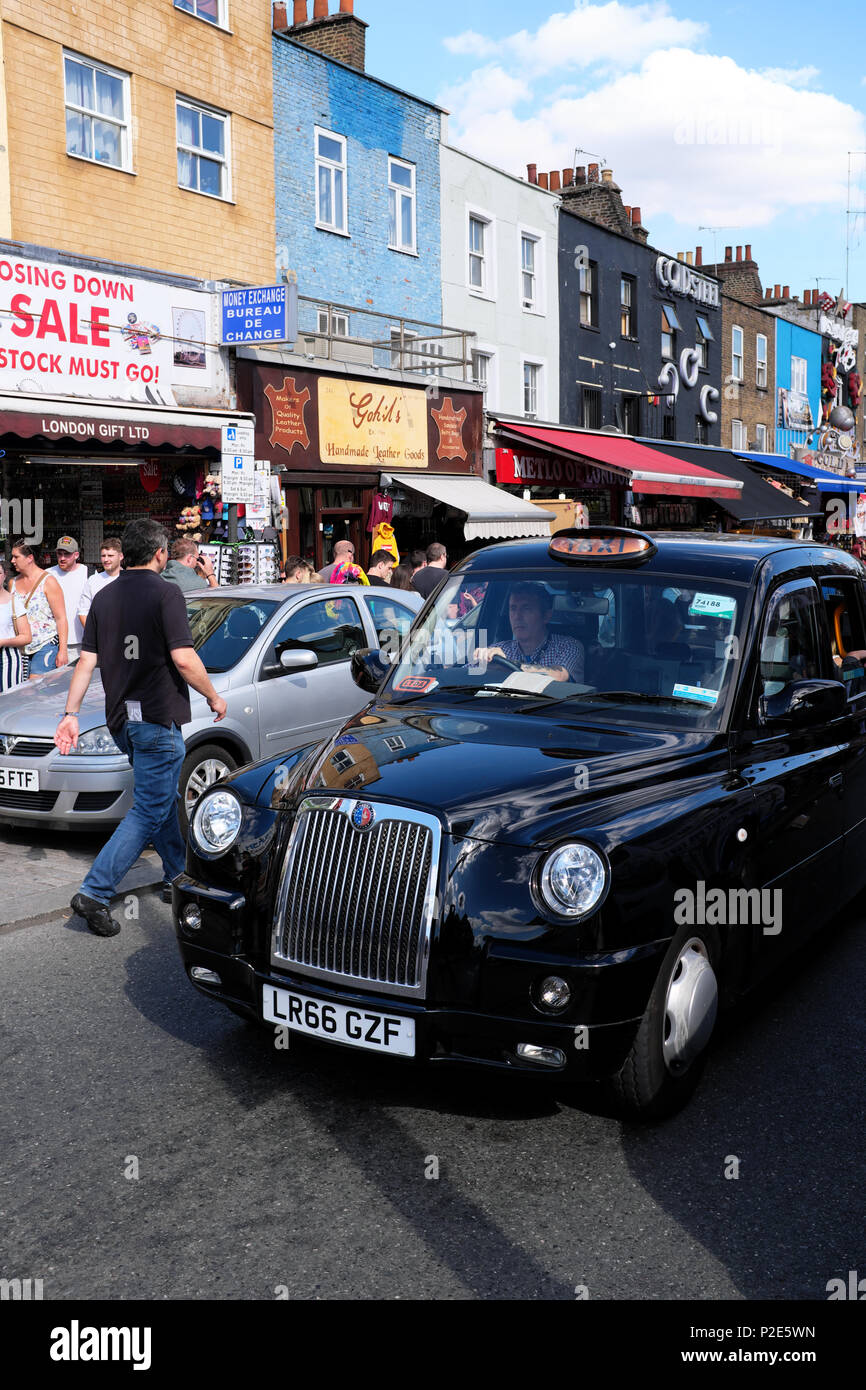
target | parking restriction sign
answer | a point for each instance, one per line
(238, 463)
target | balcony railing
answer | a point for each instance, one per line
(349, 333)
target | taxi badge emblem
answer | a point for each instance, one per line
(363, 816)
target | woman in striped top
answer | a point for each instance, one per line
(14, 635)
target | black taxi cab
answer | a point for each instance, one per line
(605, 784)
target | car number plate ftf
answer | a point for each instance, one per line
(367, 1028)
(19, 779)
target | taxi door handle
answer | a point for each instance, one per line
(836, 781)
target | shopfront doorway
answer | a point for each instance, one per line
(343, 525)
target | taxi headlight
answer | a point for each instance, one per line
(217, 821)
(573, 881)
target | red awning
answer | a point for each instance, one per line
(111, 424)
(648, 470)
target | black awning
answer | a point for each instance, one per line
(759, 501)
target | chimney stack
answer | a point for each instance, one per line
(320, 9)
(729, 253)
(748, 253)
(280, 19)
(699, 255)
(786, 292)
(739, 253)
(635, 217)
(543, 181)
(627, 212)
(340, 35)
(347, 6)
(554, 181)
(592, 170)
(778, 294)
(690, 260)
(532, 173)
(567, 178)
(607, 176)
(807, 297)
(300, 13)
(580, 174)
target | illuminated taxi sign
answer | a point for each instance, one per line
(603, 545)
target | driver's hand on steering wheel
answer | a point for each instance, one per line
(485, 654)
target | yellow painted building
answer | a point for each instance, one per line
(140, 132)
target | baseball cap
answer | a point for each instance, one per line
(67, 543)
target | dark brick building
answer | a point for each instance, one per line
(748, 353)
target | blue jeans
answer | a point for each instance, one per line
(156, 754)
(44, 660)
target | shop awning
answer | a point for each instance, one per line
(759, 501)
(492, 513)
(778, 463)
(125, 426)
(648, 471)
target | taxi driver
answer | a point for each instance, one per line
(533, 647)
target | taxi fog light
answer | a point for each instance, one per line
(574, 880)
(552, 994)
(202, 976)
(191, 916)
(541, 1056)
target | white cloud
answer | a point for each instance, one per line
(792, 77)
(616, 34)
(691, 135)
(488, 89)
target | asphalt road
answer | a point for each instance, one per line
(265, 1173)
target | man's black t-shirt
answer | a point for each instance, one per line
(133, 626)
(428, 580)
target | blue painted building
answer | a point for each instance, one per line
(357, 190)
(798, 386)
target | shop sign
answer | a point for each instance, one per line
(677, 277)
(525, 469)
(795, 410)
(288, 406)
(107, 337)
(450, 423)
(149, 473)
(363, 422)
(847, 340)
(263, 314)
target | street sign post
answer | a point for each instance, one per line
(238, 464)
(263, 314)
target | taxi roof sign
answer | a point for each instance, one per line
(603, 545)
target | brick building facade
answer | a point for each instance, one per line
(123, 201)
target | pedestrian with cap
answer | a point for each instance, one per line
(71, 575)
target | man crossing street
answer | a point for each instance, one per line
(138, 634)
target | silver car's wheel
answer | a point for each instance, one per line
(202, 768)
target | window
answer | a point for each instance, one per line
(331, 182)
(737, 354)
(799, 375)
(704, 338)
(403, 355)
(202, 149)
(482, 363)
(761, 361)
(669, 426)
(339, 323)
(391, 619)
(702, 433)
(670, 326)
(395, 744)
(214, 11)
(630, 414)
(478, 256)
(627, 325)
(401, 199)
(845, 620)
(97, 112)
(790, 647)
(342, 761)
(528, 273)
(591, 408)
(761, 439)
(531, 389)
(588, 288)
(738, 435)
(331, 628)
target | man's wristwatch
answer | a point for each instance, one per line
(69, 714)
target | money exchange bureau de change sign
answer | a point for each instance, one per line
(238, 464)
(266, 314)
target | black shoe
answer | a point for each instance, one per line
(97, 916)
(165, 892)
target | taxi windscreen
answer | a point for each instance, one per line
(612, 640)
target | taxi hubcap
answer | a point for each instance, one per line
(690, 1006)
(202, 777)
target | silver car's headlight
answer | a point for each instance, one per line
(573, 880)
(98, 742)
(217, 821)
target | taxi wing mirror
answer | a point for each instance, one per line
(803, 703)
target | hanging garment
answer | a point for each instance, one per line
(384, 539)
(381, 510)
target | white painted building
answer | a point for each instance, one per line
(500, 279)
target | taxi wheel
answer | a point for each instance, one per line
(201, 769)
(668, 1054)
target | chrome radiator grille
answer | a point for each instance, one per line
(356, 904)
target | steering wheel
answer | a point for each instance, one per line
(503, 661)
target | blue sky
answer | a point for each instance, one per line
(736, 116)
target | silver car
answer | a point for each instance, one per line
(280, 656)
